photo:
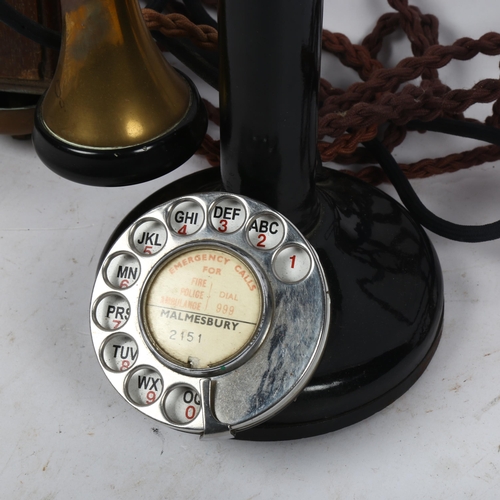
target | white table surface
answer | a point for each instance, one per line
(64, 431)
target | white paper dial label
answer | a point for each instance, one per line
(202, 308)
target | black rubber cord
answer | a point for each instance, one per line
(204, 63)
(450, 230)
(158, 5)
(198, 14)
(28, 28)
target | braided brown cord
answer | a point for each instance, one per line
(383, 96)
(177, 25)
(411, 103)
(353, 56)
(213, 112)
(410, 68)
(210, 148)
(429, 166)
(346, 144)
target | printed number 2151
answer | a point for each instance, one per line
(185, 336)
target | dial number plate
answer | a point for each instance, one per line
(202, 307)
(209, 313)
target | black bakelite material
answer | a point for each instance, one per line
(384, 277)
(124, 166)
(269, 80)
(387, 303)
(387, 308)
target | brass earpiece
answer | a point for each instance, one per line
(116, 113)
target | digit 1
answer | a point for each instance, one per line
(292, 258)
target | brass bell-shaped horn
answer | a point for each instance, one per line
(116, 113)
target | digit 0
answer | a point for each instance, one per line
(190, 412)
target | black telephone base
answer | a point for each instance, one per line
(386, 303)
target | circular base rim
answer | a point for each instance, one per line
(287, 432)
(343, 410)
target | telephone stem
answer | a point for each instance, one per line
(269, 81)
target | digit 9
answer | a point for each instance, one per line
(225, 309)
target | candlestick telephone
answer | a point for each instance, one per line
(270, 299)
